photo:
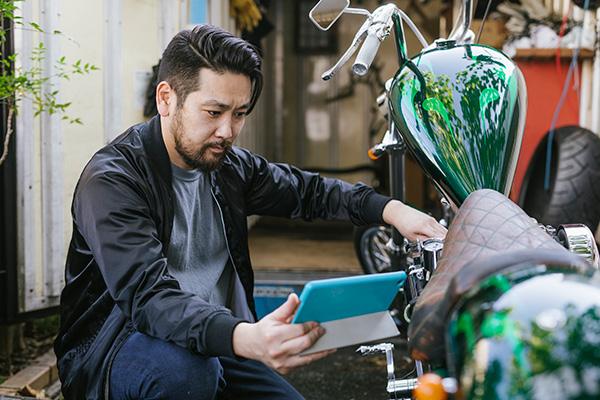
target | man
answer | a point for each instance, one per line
(158, 298)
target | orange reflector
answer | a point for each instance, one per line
(430, 387)
(372, 155)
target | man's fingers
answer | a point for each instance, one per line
(431, 230)
(287, 309)
(286, 357)
(438, 230)
(301, 343)
(291, 331)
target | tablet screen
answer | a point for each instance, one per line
(338, 298)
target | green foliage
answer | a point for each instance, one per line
(44, 327)
(17, 83)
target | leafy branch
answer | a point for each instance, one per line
(17, 83)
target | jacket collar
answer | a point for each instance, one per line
(156, 149)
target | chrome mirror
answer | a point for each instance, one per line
(326, 12)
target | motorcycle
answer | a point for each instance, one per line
(504, 307)
(371, 243)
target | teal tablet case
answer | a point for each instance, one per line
(338, 298)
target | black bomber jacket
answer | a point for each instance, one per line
(117, 280)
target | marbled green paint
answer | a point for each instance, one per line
(528, 334)
(458, 108)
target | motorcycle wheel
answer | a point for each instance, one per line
(370, 247)
(574, 192)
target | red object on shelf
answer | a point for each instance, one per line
(544, 86)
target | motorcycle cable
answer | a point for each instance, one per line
(561, 102)
(485, 14)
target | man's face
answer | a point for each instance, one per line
(210, 119)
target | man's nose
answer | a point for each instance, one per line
(225, 129)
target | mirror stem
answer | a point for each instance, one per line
(359, 11)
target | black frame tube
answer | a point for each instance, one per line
(397, 191)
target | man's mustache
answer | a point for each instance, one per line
(225, 145)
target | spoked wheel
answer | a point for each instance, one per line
(370, 246)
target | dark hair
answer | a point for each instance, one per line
(208, 46)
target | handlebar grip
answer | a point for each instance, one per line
(366, 55)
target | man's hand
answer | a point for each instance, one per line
(411, 223)
(276, 342)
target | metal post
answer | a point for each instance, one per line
(585, 116)
(27, 237)
(52, 165)
(113, 75)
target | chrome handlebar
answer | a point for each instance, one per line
(378, 26)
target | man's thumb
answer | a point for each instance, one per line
(287, 309)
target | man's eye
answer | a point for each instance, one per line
(213, 113)
(240, 114)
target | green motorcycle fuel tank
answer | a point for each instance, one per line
(461, 112)
(530, 333)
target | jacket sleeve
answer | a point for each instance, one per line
(287, 191)
(114, 217)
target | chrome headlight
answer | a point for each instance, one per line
(579, 239)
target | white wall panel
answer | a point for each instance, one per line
(113, 71)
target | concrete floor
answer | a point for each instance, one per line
(284, 250)
(283, 245)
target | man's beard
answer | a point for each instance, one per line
(202, 158)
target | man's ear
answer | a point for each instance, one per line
(164, 97)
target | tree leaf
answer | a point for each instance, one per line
(36, 26)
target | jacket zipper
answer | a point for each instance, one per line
(224, 230)
(235, 269)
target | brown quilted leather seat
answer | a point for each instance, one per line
(487, 224)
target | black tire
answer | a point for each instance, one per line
(369, 245)
(574, 192)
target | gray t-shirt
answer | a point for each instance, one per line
(198, 257)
